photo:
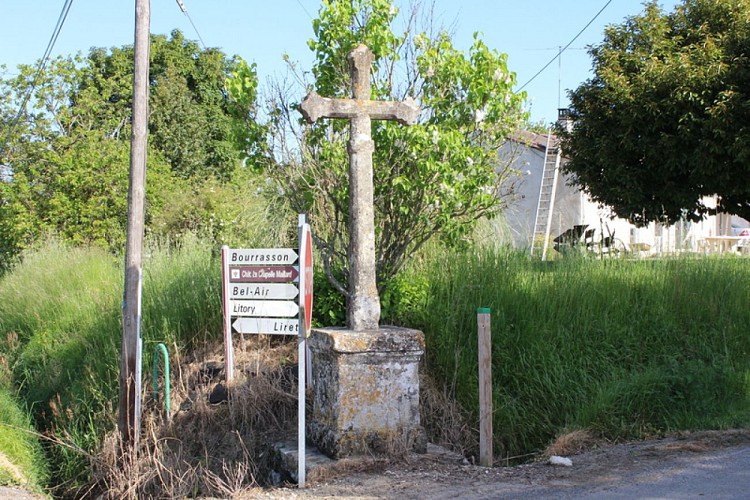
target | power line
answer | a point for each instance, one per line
(184, 11)
(303, 8)
(40, 68)
(566, 47)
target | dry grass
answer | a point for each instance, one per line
(572, 443)
(224, 450)
(347, 467)
(14, 472)
(203, 449)
(447, 424)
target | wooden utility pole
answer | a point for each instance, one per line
(129, 420)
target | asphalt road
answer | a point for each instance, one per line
(719, 474)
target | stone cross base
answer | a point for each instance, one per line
(366, 391)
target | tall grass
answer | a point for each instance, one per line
(625, 348)
(59, 318)
(60, 321)
(21, 460)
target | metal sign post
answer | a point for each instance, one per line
(305, 322)
(264, 292)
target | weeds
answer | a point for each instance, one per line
(619, 348)
(203, 449)
(626, 348)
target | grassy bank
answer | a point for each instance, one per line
(624, 348)
(60, 316)
(21, 459)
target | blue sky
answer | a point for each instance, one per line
(261, 31)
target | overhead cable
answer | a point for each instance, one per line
(184, 10)
(565, 48)
(304, 9)
(40, 68)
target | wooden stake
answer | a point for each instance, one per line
(129, 409)
(485, 387)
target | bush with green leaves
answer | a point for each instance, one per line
(64, 161)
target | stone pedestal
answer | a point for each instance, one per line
(366, 391)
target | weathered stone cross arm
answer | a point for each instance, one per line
(314, 107)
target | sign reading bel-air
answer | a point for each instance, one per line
(263, 291)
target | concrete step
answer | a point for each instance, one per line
(286, 460)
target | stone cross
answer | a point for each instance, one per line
(363, 310)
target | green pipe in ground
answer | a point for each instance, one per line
(165, 355)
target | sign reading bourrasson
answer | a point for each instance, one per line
(263, 256)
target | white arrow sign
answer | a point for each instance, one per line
(283, 256)
(264, 308)
(280, 326)
(263, 291)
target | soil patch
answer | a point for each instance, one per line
(439, 474)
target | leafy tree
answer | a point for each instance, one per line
(434, 178)
(65, 161)
(196, 108)
(665, 119)
(62, 174)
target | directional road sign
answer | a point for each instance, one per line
(263, 291)
(275, 256)
(264, 308)
(263, 274)
(281, 326)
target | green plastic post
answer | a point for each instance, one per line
(165, 355)
(483, 310)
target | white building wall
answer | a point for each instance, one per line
(572, 207)
(520, 215)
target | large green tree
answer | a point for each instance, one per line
(665, 120)
(65, 159)
(437, 177)
(202, 104)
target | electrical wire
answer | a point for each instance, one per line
(181, 4)
(564, 48)
(304, 9)
(40, 68)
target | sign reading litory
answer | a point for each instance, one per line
(261, 291)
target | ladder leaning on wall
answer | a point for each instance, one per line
(546, 202)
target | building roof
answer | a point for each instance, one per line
(533, 140)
